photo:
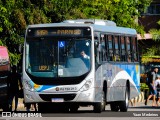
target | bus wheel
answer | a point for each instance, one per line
(114, 106)
(124, 104)
(100, 106)
(103, 103)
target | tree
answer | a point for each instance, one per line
(14, 18)
(17, 14)
(156, 33)
(155, 49)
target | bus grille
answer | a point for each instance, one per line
(66, 97)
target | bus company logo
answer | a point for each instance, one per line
(57, 88)
(6, 114)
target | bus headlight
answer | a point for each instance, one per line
(87, 85)
(28, 86)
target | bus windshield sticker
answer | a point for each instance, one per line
(61, 44)
(41, 32)
(60, 71)
(44, 67)
(87, 43)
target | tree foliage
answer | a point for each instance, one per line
(156, 33)
(15, 15)
(155, 49)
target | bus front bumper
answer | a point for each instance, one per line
(79, 96)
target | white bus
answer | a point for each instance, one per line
(56, 73)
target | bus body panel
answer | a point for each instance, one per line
(60, 90)
(116, 76)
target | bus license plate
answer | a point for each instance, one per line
(57, 100)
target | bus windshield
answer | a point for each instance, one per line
(58, 57)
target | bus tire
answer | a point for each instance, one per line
(123, 105)
(114, 106)
(100, 106)
(103, 103)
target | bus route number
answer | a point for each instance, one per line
(43, 67)
(108, 73)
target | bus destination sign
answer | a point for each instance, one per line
(57, 32)
(52, 31)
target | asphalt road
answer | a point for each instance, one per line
(138, 112)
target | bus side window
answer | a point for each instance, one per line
(110, 48)
(96, 50)
(123, 49)
(103, 51)
(106, 39)
(117, 48)
(128, 49)
(134, 49)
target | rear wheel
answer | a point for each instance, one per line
(124, 104)
(100, 106)
(103, 101)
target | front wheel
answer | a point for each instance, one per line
(100, 106)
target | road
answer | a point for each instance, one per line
(140, 111)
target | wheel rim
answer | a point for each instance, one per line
(126, 99)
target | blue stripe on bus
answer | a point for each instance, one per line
(134, 72)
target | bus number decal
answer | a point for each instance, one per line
(108, 73)
(41, 32)
(43, 67)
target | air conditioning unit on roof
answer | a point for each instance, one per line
(91, 21)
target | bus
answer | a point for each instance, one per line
(4, 72)
(55, 72)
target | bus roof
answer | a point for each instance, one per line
(91, 21)
(98, 25)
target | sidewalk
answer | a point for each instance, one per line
(21, 106)
(142, 104)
